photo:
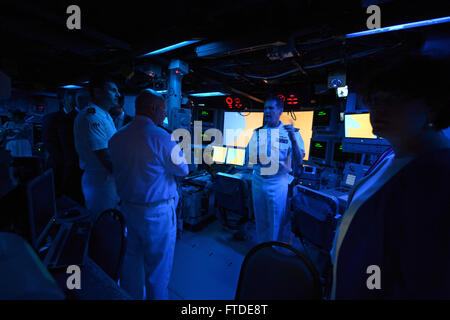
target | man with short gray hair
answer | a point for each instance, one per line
(145, 177)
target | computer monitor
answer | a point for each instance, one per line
(322, 118)
(358, 126)
(319, 150)
(206, 115)
(235, 156)
(359, 135)
(303, 121)
(238, 127)
(339, 156)
(41, 204)
(325, 119)
(219, 154)
(242, 125)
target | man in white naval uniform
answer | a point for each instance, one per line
(276, 146)
(93, 128)
(145, 175)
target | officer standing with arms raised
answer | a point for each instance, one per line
(272, 150)
(92, 130)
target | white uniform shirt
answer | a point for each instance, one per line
(118, 121)
(93, 127)
(283, 147)
(142, 164)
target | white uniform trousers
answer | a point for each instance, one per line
(269, 204)
(152, 232)
(99, 190)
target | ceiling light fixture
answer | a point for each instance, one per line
(207, 94)
(399, 27)
(170, 48)
(71, 86)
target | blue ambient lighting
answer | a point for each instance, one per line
(170, 48)
(208, 94)
(71, 86)
(399, 27)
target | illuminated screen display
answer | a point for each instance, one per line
(318, 149)
(235, 156)
(238, 127)
(322, 118)
(358, 126)
(340, 156)
(219, 154)
(206, 115)
(303, 122)
(243, 125)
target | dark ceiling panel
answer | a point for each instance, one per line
(38, 48)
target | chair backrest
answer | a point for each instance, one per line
(107, 244)
(230, 192)
(268, 273)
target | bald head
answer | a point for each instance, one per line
(151, 104)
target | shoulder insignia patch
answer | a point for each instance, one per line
(91, 110)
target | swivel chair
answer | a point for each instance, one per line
(314, 221)
(268, 273)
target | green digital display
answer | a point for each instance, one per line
(206, 116)
(318, 150)
(322, 113)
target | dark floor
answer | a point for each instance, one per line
(207, 262)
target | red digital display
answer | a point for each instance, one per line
(233, 103)
(292, 99)
(289, 99)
